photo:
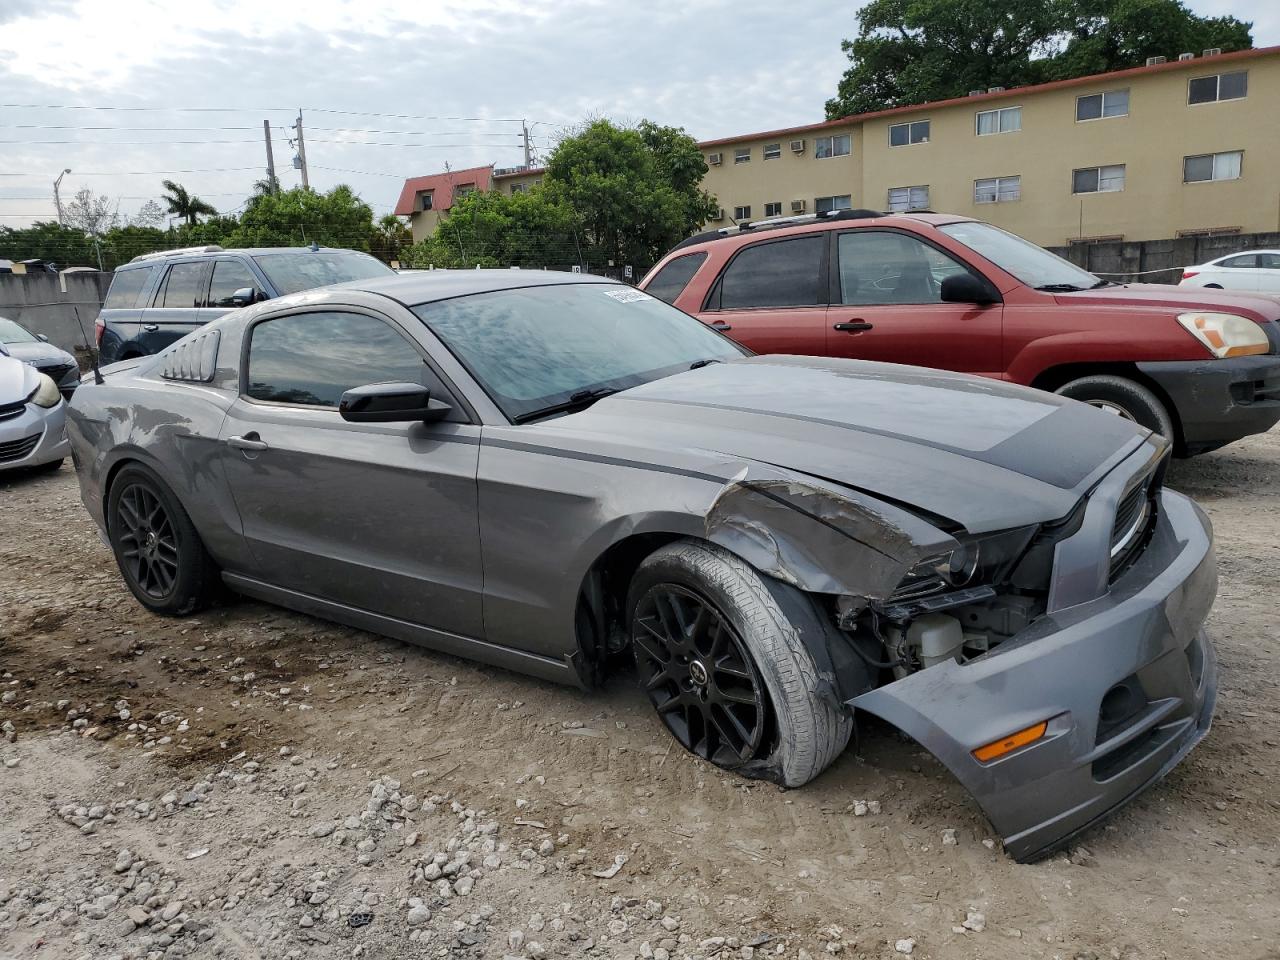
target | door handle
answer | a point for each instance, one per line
(721, 326)
(151, 327)
(248, 442)
(853, 326)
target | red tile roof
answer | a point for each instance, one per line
(443, 185)
(1199, 63)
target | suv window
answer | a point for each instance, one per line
(312, 358)
(296, 270)
(228, 277)
(182, 285)
(126, 285)
(780, 273)
(878, 267)
(669, 282)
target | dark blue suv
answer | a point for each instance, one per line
(158, 298)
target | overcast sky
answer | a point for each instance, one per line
(182, 88)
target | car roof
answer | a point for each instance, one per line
(1241, 253)
(432, 285)
(798, 225)
(196, 253)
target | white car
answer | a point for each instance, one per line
(1255, 270)
(33, 418)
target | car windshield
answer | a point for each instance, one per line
(10, 332)
(1034, 266)
(299, 270)
(540, 350)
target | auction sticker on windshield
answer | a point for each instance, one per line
(627, 296)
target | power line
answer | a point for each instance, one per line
(139, 173)
(328, 110)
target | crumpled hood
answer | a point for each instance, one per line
(17, 380)
(982, 453)
(1255, 306)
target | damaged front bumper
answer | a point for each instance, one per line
(1126, 682)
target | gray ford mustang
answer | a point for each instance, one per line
(561, 475)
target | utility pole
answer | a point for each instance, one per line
(271, 163)
(528, 154)
(57, 199)
(302, 153)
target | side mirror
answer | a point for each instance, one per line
(966, 288)
(243, 297)
(391, 403)
(42, 338)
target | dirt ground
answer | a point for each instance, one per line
(255, 783)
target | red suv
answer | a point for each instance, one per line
(1200, 366)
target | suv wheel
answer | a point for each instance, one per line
(720, 655)
(1124, 398)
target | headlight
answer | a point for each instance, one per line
(1225, 334)
(977, 560)
(46, 395)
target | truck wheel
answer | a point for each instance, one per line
(1124, 398)
(720, 655)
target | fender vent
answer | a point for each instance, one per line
(193, 359)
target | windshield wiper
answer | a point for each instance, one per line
(1059, 288)
(581, 399)
(1103, 283)
(702, 363)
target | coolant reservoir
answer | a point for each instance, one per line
(936, 636)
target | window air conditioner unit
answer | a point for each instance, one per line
(718, 214)
(1212, 52)
(1186, 56)
(797, 206)
(797, 146)
(1152, 61)
(995, 89)
(976, 93)
(715, 159)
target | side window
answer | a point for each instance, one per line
(781, 273)
(126, 287)
(877, 267)
(312, 358)
(228, 277)
(1244, 260)
(671, 280)
(182, 286)
(1271, 261)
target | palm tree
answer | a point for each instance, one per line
(182, 204)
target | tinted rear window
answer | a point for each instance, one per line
(308, 269)
(126, 285)
(183, 287)
(671, 280)
(782, 273)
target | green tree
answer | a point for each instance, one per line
(914, 51)
(635, 190)
(65, 246)
(389, 236)
(182, 204)
(338, 218)
(490, 229)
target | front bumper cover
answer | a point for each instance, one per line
(51, 427)
(1147, 630)
(1219, 401)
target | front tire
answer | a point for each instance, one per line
(720, 653)
(1124, 398)
(160, 555)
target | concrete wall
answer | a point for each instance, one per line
(1159, 261)
(40, 303)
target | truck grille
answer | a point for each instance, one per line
(18, 449)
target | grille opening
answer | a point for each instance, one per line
(10, 410)
(1119, 760)
(17, 449)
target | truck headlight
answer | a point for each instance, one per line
(1225, 334)
(46, 395)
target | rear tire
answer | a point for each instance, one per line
(160, 555)
(750, 649)
(1123, 397)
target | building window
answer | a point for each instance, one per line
(773, 209)
(1212, 166)
(772, 151)
(742, 155)
(1004, 120)
(1113, 103)
(835, 146)
(908, 198)
(742, 213)
(904, 134)
(464, 190)
(1221, 86)
(997, 190)
(427, 202)
(1210, 232)
(830, 204)
(1098, 179)
(519, 188)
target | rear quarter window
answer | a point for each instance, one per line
(126, 287)
(670, 281)
(779, 273)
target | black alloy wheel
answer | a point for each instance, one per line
(149, 543)
(698, 676)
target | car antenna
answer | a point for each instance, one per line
(93, 351)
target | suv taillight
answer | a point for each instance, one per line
(99, 325)
(1188, 274)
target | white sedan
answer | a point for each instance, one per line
(1255, 270)
(32, 418)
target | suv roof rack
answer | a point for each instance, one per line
(180, 252)
(775, 223)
